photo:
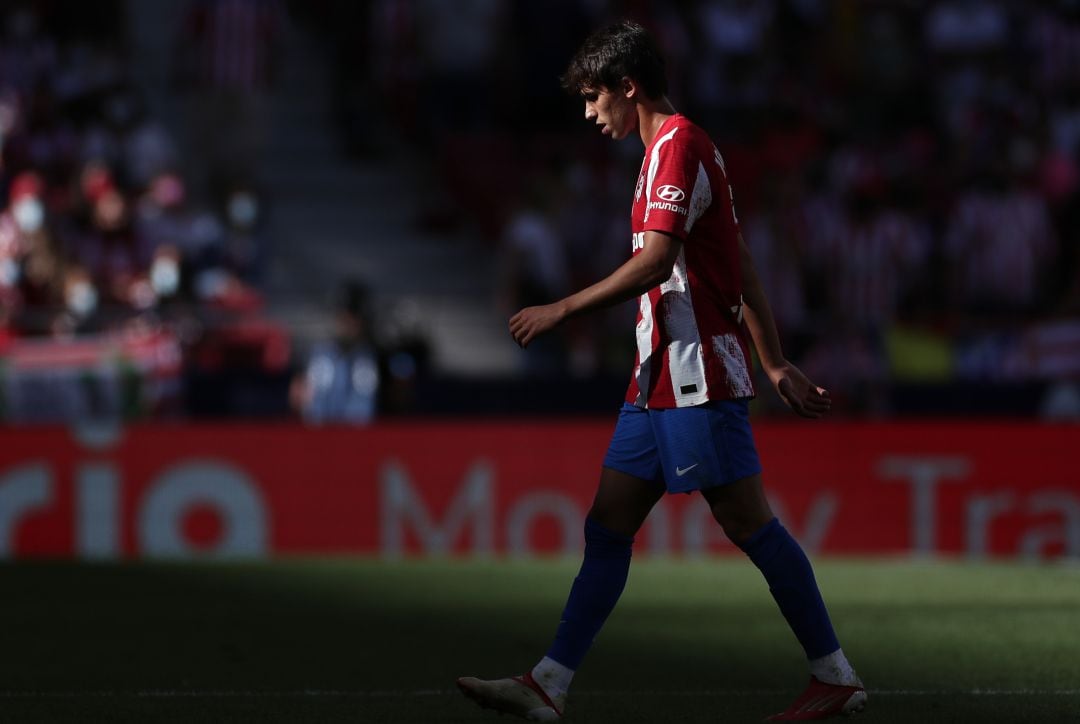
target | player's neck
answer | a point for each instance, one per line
(651, 115)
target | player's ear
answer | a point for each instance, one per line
(628, 86)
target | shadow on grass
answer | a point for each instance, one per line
(364, 642)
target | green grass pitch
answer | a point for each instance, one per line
(363, 641)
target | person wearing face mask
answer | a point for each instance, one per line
(16, 220)
(24, 215)
(32, 268)
(243, 246)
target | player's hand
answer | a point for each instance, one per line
(799, 393)
(531, 322)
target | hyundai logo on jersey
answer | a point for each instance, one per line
(670, 193)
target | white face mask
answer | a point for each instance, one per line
(9, 273)
(29, 214)
(165, 276)
(81, 298)
(243, 210)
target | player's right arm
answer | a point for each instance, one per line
(648, 268)
(798, 392)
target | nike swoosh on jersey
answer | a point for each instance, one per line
(683, 471)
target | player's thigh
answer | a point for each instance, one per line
(623, 501)
(740, 508)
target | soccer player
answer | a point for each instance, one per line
(684, 426)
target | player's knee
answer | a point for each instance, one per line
(613, 519)
(738, 533)
(740, 525)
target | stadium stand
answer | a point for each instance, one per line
(907, 176)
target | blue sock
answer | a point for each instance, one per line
(791, 582)
(594, 594)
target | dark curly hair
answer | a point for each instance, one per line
(624, 49)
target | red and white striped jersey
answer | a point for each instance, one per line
(872, 263)
(691, 343)
(1001, 245)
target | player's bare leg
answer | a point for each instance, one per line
(620, 507)
(623, 502)
(740, 508)
(743, 511)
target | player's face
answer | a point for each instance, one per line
(613, 111)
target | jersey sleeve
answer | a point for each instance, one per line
(678, 185)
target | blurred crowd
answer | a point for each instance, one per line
(110, 228)
(906, 173)
(99, 226)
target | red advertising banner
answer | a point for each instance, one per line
(970, 489)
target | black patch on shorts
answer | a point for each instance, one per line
(687, 389)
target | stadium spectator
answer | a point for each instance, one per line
(732, 81)
(195, 237)
(97, 235)
(26, 54)
(1062, 402)
(1053, 40)
(853, 361)
(33, 270)
(869, 254)
(404, 341)
(228, 58)
(130, 140)
(966, 26)
(243, 247)
(534, 266)
(1000, 244)
(780, 271)
(458, 41)
(340, 379)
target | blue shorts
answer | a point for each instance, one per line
(688, 448)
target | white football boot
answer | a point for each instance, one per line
(520, 696)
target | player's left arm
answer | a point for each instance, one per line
(798, 392)
(643, 271)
